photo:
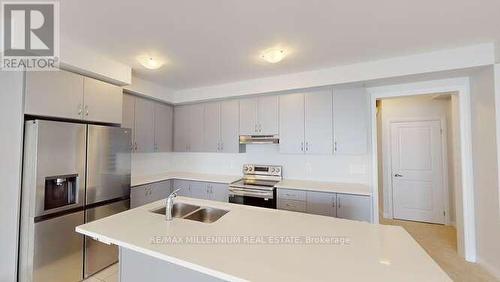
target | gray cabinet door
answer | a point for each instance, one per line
(211, 131)
(139, 195)
(196, 131)
(229, 126)
(144, 125)
(102, 101)
(160, 190)
(350, 117)
(54, 94)
(181, 129)
(128, 113)
(248, 116)
(268, 115)
(318, 122)
(183, 186)
(321, 203)
(291, 123)
(199, 190)
(164, 123)
(219, 192)
(354, 207)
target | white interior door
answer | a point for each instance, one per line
(417, 171)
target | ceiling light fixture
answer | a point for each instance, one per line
(150, 63)
(273, 55)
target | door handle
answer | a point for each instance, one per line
(398, 175)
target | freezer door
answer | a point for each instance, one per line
(108, 163)
(54, 173)
(99, 255)
(58, 249)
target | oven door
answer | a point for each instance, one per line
(253, 197)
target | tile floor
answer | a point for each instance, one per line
(440, 242)
(109, 274)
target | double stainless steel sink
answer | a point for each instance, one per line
(192, 212)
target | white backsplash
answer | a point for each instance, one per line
(306, 167)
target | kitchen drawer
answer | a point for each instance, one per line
(289, 194)
(291, 205)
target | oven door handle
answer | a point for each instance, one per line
(250, 193)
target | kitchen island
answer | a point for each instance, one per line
(258, 244)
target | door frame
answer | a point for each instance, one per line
(444, 155)
(465, 230)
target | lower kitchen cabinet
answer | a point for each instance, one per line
(202, 190)
(322, 203)
(347, 206)
(218, 192)
(354, 207)
(148, 193)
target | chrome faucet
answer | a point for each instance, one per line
(169, 205)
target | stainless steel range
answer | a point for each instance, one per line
(256, 188)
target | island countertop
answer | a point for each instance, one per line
(270, 245)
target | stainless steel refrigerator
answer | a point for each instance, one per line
(72, 173)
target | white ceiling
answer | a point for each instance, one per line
(218, 41)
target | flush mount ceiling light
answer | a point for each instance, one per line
(273, 55)
(150, 63)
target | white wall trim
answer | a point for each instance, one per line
(462, 86)
(443, 60)
(77, 58)
(496, 74)
(150, 90)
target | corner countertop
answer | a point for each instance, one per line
(286, 247)
(307, 185)
(345, 188)
(205, 177)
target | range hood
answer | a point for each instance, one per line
(259, 139)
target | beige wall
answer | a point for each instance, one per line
(11, 128)
(484, 149)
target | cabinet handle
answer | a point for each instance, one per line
(86, 110)
(307, 146)
(338, 203)
(222, 146)
(135, 146)
(80, 109)
(302, 146)
(335, 146)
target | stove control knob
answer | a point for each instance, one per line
(277, 170)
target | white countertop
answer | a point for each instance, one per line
(374, 252)
(216, 178)
(346, 188)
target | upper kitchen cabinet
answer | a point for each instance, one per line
(164, 123)
(82, 98)
(229, 126)
(102, 101)
(189, 128)
(350, 118)
(306, 123)
(54, 94)
(221, 127)
(128, 112)
(144, 128)
(151, 123)
(211, 132)
(291, 121)
(259, 116)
